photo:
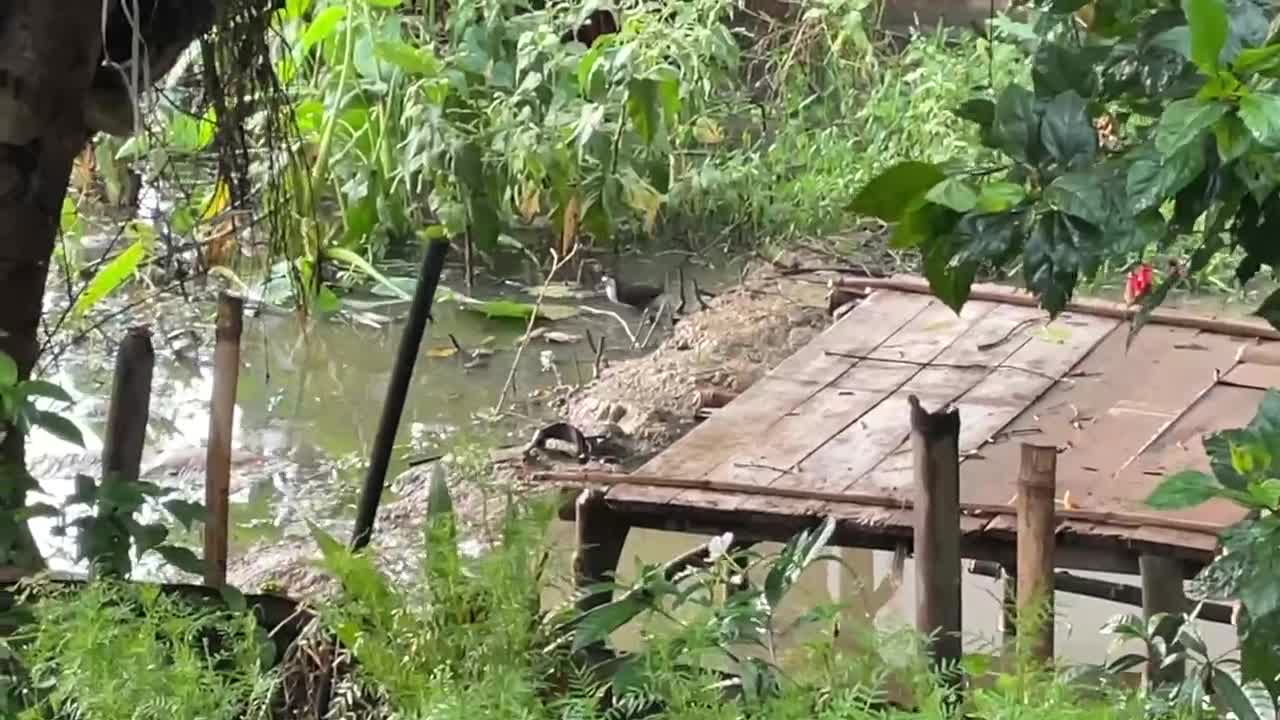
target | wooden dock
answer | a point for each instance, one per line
(825, 433)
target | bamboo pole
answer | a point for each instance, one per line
(410, 343)
(935, 439)
(1037, 486)
(1101, 308)
(222, 408)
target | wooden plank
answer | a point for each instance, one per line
(933, 335)
(1002, 395)
(1150, 387)
(1258, 376)
(846, 456)
(1181, 448)
(792, 382)
(750, 418)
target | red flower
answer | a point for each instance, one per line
(1139, 283)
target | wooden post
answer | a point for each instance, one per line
(935, 442)
(1163, 592)
(1037, 487)
(222, 406)
(600, 537)
(122, 443)
(126, 431)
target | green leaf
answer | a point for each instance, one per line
(1232, 138)
(1067, 132)
(355, 262)
(439, 501)
(1016, 129)
(1260, 59)
(110, 277)
(1247, 701)
(922, 222)
(182, 558)
(1050, 262)
(642, 108)
(989, 237)
(148, 537)
(58, 426)
(323, 26)
(979, 110)
(410, 59)
(797, 555)
(890, 194)
(41, 388)
(186, 512)
(1265, 494)
(949, 281)
(954, 193)
(997, 197)
(1208, 22)
(235, 600)
(1250, 458)
(1186, 489)
(8, 370)
(1261, 114)
(1153, 178)
(1186, 121)
(598, 623)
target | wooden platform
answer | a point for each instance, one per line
(824, 433)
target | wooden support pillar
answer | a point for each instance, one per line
(1037, 487)
(122, 444)
(600, 537)
(1163, 592)
(935, 443)
(222, 407)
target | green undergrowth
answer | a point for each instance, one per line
(477, 637)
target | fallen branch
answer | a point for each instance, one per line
(557, 263)
(609, 313)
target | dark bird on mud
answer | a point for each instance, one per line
(637, 296)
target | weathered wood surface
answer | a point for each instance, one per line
(826, 432)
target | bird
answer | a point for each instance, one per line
(637, 296)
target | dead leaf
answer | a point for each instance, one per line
(446, 351)
(569, 226)
(530, 204)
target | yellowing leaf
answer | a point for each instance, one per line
(708, 131)
(219, 201)
(569, 225)
(530, 205)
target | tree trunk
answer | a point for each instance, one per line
(48, 54)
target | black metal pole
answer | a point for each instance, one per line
(401, 374)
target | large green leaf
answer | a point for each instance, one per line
(110, 277)
(1016, 129)
(355, 262)
(950, 281)
(1186, 121)
(1154, 178)
(1246, 701)
(643, 108)
(1261, 114)
(8, 370)
(892, 192)
(1209, 25)
(1067, 132)
(922, 222)
(410, 59)
(1232, 138)
(955, 193)
(598, 623)
(1184, 490)
(1050, 262)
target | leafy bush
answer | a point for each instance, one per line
(1144, 123)
(112, 650)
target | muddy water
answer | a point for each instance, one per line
(308, 404)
